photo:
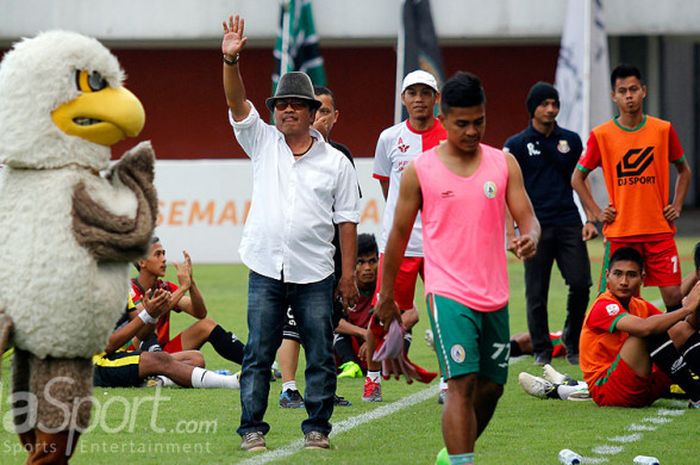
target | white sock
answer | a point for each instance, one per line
(443, 384)
(202, 378)
(289, 385)
(374, 376)
(167, 382)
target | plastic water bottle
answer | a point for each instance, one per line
(569, 457)
(645, 460)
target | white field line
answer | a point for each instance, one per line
(664, 416)
(347, 425)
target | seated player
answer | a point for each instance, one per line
(553, 385)
(116, 367)
(630, 351)
(351, 333)
(151, 269)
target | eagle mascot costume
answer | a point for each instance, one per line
(67, 232)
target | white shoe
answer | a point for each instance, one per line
(579, 394)
(552, 375)
(534, 385)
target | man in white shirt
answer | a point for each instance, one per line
(396, 147)
(301, 186)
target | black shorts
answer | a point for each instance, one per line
(291, 330)
(118, 369)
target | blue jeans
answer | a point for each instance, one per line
(268, 300)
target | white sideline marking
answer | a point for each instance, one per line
(593, 460)
(665, 412)
(629, 438)
(608, 450)
(662, 418)
(657, 420)
(346, 425)
(636, 427)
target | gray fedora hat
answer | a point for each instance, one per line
(294, 84)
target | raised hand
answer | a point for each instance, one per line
(233, 41)
(184, 271)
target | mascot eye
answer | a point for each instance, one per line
(90, 82)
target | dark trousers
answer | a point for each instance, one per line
(312, 304)
(563, 244)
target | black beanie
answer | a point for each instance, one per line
(540, 92)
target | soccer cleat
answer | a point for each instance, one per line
(316, 440)
(350, 370)
(291, 398)
(253, 442)
(372, 391)
(694, 405)
(535, 386)
(580, 394)
(572, 359)
(556, 378)
(339, 401)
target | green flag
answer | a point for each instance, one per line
(297, 43)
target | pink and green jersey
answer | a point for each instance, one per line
(463, 230)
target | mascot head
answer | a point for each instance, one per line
(62, 103)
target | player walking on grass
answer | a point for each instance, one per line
(630, 351)
(635, 150)
(462, 189)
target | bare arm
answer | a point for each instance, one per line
(194, 303)
(347, 289)
(583, 189)
(643, 327)
(232, 44)
(409, 202)
(688, 282)
(519, 206)
(673, 212)
(345, 327)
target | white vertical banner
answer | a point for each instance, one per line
(582, 77)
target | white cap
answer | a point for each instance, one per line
(419, 77)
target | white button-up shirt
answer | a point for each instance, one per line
(294, 204)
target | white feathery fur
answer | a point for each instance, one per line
(62, 302)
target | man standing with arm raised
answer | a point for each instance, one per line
(301, 186)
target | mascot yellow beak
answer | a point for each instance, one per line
(101, 114)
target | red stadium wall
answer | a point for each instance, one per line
(186, 111)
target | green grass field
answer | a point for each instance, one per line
(186, 426)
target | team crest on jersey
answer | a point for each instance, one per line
(563, 146)
(612, 309)
(458, 353)
(401, 146)
(490, 189)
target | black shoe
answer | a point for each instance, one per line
(572, 359)
(291, 398)
(543, 359)
(341, 401)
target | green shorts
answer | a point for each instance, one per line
(468, 341)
